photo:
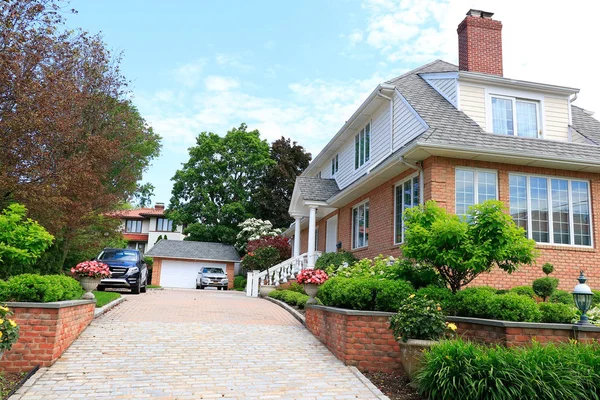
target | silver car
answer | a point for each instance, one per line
(212, 277)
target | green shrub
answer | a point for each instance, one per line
(595, 299)
(296, 287)
(290, 297)
(364, 293)
(544, 287)
(523, 291)
(331, 261)
(43, 289)
(558, 313)
(475, 302)
(276, 294)
(418, 318)
(419, 276)
(442, 296)
(548, 268)
(4, 291)
(239, 282)
(562, 296)
(461, 370)
(515, 307)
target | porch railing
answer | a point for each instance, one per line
(277, 274)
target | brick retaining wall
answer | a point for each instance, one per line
(46, 331)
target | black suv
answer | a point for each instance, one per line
(128, 270)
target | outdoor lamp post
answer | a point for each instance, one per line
(582, 294)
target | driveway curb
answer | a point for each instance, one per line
(23, 389)
(368, 383)
(289, 309)
(99, 311)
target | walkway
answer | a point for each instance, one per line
(192, 344)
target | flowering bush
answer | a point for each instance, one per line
(261, 259)
(254, 229)
(419, 318)
(91, 269)
(9, 331)
(280, 243)
(316, 276)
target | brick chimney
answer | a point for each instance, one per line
(159, 206)
(480, 43)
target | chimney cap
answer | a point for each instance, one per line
(159, 205)
(479, 13)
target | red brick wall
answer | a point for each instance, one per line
(480, 45)
(156, 267)
(363, 341)
(45, 333)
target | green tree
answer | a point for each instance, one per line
(22, 241)
(143, 195)
(275, 192)
(214, 191)
(461, 249)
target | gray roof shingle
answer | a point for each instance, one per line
(316, 189)
(585, 124)
(194, 250)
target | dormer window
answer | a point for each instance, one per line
(516, 117)
(335, 164)
(362, 146)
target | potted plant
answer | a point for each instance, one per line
(262, 259)
(89, 274)
(418, 325)
(311, 279)
(9, 330)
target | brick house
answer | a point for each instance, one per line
(459, 135)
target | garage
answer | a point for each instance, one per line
(177, 262)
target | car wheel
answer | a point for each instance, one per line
(197, 286)
(136, 289)
(224, 287)
(143, 289)
(201, 287)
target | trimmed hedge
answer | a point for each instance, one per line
(523, 291)
(290, 297)
(239, 282)
(558, 313)
(461, 370)
(482, 302)
(40, 288)
(364, 293)
(442, 296)
(562, 296)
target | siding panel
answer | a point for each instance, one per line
(406, 125)
(472, 102)
(446, 87)
(556, 115)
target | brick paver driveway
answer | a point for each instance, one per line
(188, 344)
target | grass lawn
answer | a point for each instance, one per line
(103, 298)
(154, 287)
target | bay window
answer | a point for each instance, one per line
(360, 225)
(551, 210)
(474, 187)
(362, 146)
(407, 195)
(515, 117)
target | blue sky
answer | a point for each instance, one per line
(300, 69)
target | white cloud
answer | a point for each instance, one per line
(220, 83)
(189, 74)
(239, 62)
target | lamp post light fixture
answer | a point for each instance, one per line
(582, 294)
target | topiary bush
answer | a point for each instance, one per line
(239, 282)
(515, 307)
(558, 313)
(544, 287)
(523, 291)
(41, 288)
(562, 296)
(443, 296)
(548, 268)
(331, 261)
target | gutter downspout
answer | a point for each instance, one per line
(419, 168)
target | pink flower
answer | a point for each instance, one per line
(315, 276)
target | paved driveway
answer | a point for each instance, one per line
(192, 344)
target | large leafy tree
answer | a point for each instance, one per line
(72, 144)
(461, 249)
(214, 191)
(275, 192)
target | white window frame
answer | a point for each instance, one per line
(475, 183)
(401, 184)
(363, 144)
(353, 234)
(550, 216)
(316, 239)
(136, 222)
(162, 225)
(514, 95)
(335, 164)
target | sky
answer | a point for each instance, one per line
(300, 69)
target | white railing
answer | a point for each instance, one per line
(277, 274)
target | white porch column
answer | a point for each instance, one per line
(297, 234)
(312, 227)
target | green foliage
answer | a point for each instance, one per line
(558, 313)
(477, 302)
(9, 330)
(239, 282)
(261, 259)
(254, 229)
(218, 184)
(460, 249)
(364, 293)
(548, 268)
(42, 289)
(544, 287)
(296, 287)
(514, 307)
(143, 195)
(22, 241)
(418, 318)
(103, 298)
(562, 296)
(462, 370)
(290, 297)
(149, 261)
(443, 296)
(524, 291)
(330, 262)
(595, 299)
(419, 275)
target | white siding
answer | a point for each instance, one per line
(446, 87)
(472, 102)
(556, 115)
(406, 125)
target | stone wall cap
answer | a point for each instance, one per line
(345, 311)
(54, 304)
(526, 325)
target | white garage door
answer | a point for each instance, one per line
(182, 274)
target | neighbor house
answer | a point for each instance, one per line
(459, 135)
(142, 227)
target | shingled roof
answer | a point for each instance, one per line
(316, 189)
(194, 250)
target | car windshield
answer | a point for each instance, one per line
(122, 255)
(213, 271)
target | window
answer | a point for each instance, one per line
(551, 210)
(163, 224)
(317, 239)
(474, 187)
(360, 225)
(407, 195)
(362, 146)
(133, 226)
(335, 164)
(512, 116)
